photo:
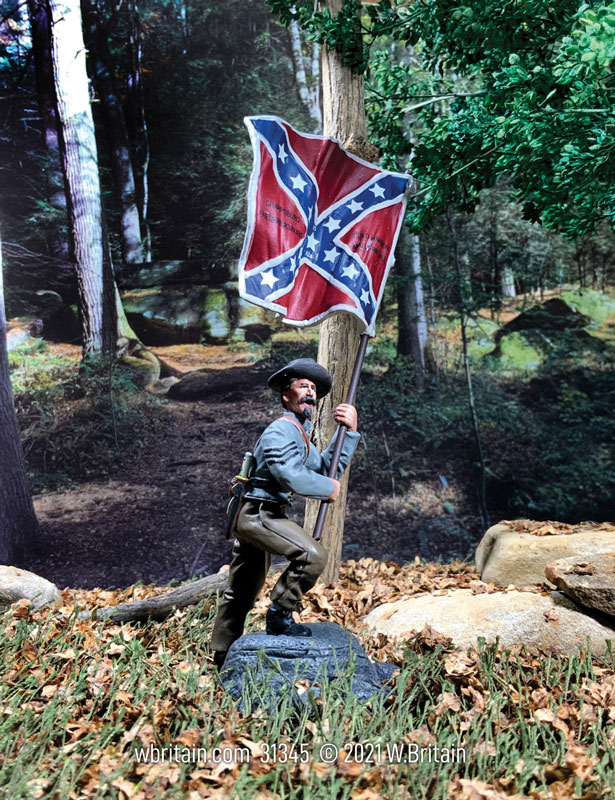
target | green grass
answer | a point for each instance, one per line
(36, 364)
(79, 698)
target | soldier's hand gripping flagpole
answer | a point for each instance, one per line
(341, 432)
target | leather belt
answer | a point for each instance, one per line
(266, 484)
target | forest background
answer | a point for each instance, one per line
(478, 402)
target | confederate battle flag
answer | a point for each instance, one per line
(322, 226)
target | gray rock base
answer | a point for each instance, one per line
(261, 670)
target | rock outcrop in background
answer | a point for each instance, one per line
(572, 322)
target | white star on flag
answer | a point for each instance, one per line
(365, 296)
(330, 255)
(354, 206)
(298, 183)
(268, 278)
(350, 272)
(282, 154)
(312, 242)
(377, 190)
(332, 224)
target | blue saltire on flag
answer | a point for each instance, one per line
(322, 226)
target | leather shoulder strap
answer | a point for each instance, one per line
(298, 425)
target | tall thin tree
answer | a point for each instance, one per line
(137, 124)
(464, 302)
(101, 69)
(18, 523)
(45, 96)
(80, 164)
(306, 64)
(411, 317)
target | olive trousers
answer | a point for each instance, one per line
(263, 531)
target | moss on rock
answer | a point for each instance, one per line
(599, 307)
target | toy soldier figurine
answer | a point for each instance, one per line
(285, 462)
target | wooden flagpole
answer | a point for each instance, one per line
(341, 432)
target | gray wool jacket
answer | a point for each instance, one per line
(281, 467)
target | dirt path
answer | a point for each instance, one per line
(161, 517)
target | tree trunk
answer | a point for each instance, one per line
(80, 163)
(45, 95)
(464, 283)
(18, 523)
(344, 118)
(507, 282)
(137, 125)
(412, 321)
(496, 274)
(481, 490)
(117, 135)
(308, 89)
(463, 320)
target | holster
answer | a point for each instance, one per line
(233, 509)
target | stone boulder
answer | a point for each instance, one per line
(598, 306)
(16, 338)
(257, 333)
(508, 554)
(555, 314)
(526, 350)
(22, 332)
(590, 582)
(553, 329)
(216, 316)
(166, 315)
(62, 325)
(189, 272)
(17, 584)
(253, 323)
(288, 665)
(552, 623)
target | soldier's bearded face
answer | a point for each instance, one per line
(295, 397)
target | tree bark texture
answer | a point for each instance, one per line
(137, 125)
(507, 282)
(343, 101)
(159, 607)
(80, 163)
(463, 320)
(412, 320)
(18, 523)
(162, 605)
(45, 96)
(308, 89)
(343, 118)
(116, 131)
